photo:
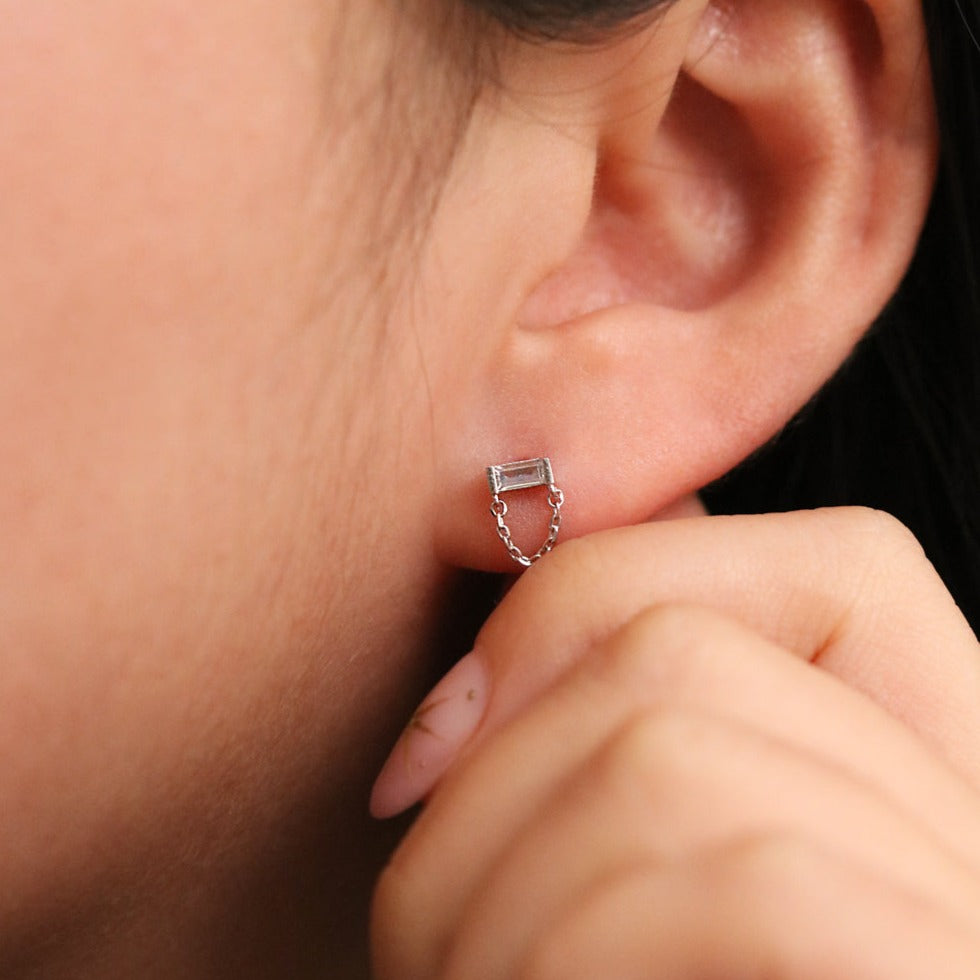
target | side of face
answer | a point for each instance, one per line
(278, 282)
(201, 407)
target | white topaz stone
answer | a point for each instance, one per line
(520, 475)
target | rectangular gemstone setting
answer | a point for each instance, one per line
(520, 475)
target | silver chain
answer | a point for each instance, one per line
(499, 510)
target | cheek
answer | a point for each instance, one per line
(157, 261)
(174, 394)
(139, 140)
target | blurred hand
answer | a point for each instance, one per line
(720, 747)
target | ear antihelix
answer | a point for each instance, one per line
(524, 474)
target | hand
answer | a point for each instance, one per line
(658, 787)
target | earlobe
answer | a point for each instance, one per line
(739, 240)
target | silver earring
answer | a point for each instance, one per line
(523, 475)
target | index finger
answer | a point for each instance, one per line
(849, 589)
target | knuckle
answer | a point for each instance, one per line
(653, 750)
(765, 859)
(558, 948)
(882, 560)
(664, 649)
(873, 531)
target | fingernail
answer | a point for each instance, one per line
(432, 738)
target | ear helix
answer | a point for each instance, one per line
(523, 475)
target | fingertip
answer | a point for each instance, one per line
(432, 739)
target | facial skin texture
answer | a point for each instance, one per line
(254, 354)
(203, 598)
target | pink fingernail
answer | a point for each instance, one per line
(433, 736)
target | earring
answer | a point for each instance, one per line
(523, 475)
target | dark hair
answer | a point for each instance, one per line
(898, 428)
(573, 20)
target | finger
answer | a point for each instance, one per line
(677, 659)
(875, 615)
(847, 588)
(773, 909)
(698, 660)
(670, 786)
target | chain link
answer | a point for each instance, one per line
(499, 511)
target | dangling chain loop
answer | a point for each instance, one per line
(520, 476)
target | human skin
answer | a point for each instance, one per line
(749, 748)
(266, 316)
(202, 610)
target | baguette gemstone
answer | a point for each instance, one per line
(520, 475)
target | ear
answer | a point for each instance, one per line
(740, 192)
